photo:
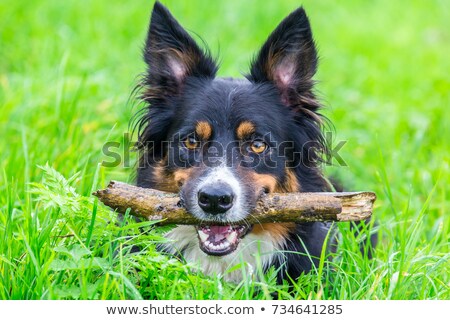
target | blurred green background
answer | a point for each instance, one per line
(67, 69)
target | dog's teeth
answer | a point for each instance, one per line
(223, 242)
(232, 237)
(203, 236)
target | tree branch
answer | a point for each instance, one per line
(278, 207)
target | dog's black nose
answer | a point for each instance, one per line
(215, 199)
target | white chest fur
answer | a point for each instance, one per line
(255, 252)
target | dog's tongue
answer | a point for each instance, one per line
(220, 229)
(219, 232)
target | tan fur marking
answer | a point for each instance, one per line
(204, 130)
(245, 129)
(163, 182)
(290, 185)
(271, 184)
(170, 182)
(181, 175)
(278, 231)
(265, 181)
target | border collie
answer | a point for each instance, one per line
(222, 142)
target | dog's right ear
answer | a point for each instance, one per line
(288, 59)
(172, 56)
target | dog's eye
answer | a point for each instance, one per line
(191, 143)
(258, 146)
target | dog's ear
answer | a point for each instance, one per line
(172, 56)
(288, 59)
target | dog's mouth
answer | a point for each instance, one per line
(218, 240)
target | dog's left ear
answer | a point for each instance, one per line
(288, 59)
(172, 56)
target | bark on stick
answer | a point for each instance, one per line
(278, 207)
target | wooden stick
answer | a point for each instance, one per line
(278, 207)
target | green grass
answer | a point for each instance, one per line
(66, 72)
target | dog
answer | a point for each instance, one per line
(222, 142)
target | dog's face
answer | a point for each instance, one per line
(223, 154)
(221, 142)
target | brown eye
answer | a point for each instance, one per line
(191, 143)
(258, 146)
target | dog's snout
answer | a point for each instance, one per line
(216, 199)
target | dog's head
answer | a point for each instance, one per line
(222, 142)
